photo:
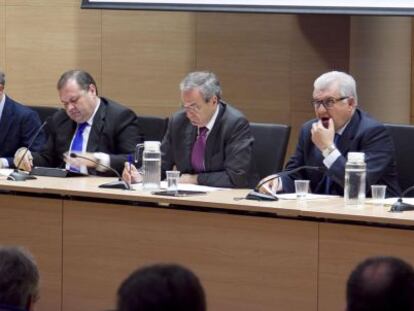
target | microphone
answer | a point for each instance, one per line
(17, 175)
(118, 184)
(400, 206)
(256, 195)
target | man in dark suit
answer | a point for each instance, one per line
(208, 141)
(91, 126)
(340, 128)
(18, 124)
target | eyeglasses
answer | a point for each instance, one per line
(327, 103)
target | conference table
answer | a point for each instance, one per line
(249, 255)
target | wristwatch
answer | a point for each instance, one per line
(327, 151)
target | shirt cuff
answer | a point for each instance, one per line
(4, 162)
(331, 158)
(103, 159)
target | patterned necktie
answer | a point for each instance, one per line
(199, 147)
(78, 143)
(328, 180)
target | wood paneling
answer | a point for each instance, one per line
(145, 55)
(60, 3)
(2, 35)
(250, 53)
(36, 224)
(244, 263)
(42, 43)
(342, 247)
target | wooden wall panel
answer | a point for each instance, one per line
(36, 224)
(2, 35)
(44, 41)
(342, 247)
(59, 3)
(244, 263)
(144, 57)
(250, 53)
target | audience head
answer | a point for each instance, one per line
(334, 96)
(381, 284)
(200, 95)
(19, 278)
(161, 287)
(79, 94)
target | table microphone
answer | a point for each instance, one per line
(256, 195)
(17, 175)
(118, 184)
(400, 206)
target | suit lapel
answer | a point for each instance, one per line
(349, 133)
(190, 134)
(6, 121)
(213, 137)
(97, 128)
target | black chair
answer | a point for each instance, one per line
(269, 149)
(403, 137)
(152, 127)
(44, 112)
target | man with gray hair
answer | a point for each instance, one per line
(19, 280)
(18, 125)
(340, 127)
(208, 141)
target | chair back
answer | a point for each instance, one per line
(152, 127)
(269, 148)
(403, 137)
(44, 112)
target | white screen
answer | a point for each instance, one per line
(372, 7)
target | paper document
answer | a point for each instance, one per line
(187, 187)
(309, 196)
(5, 171)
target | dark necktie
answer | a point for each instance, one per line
(328, 180)
(78, 143)
(199, 147)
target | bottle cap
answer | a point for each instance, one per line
(356, 156)
(152, 146)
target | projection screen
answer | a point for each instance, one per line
(354, 7)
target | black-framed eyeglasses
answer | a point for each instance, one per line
(327, 102)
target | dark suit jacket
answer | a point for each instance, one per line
(362, 134)
(114, 131)
(228, 148)
(18, 125)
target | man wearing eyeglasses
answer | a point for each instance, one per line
(340, 127)
(90, 126)
(208, 141)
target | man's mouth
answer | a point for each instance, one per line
(325, 121)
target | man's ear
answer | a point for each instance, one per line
(1, 87)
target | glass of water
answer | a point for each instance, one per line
(172, 180)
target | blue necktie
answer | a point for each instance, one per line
(78, 143)
(328, 180)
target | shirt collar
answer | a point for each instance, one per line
(2, 102)
(90, 121)
(210, 123)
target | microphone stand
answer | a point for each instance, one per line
(256, 195)
(117, 184)
(400, 206)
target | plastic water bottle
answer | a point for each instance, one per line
(151, 164)
(355, 174)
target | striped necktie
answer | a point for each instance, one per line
(199, 148)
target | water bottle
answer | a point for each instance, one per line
(355, 174)
(151, 164)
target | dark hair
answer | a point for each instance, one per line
(82, 78)
(381, 284)
(161, 287)
(19, 277)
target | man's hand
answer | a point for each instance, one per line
(189, 179)
(323, 137)
(130, 174)
(271, 187)
(26, 163)
(88, 160)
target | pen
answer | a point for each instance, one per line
(130, 163)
